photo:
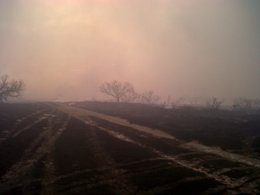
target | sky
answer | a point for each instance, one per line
(65, 49)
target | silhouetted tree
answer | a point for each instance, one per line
(119, 91)
(149, 97)
(11, 88)
(131, 96)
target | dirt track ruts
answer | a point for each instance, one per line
(97, 128)
(231, 183)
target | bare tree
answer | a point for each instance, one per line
(11, 88)
(149, 97)
(214, 103)
(132, 96)
(118, 90)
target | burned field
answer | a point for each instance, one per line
(49, 148)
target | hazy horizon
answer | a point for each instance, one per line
(64, 49)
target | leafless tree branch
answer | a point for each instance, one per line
(10, 88)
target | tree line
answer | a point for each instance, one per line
(125, 92)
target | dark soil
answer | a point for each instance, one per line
(225, 129)
(46, 151)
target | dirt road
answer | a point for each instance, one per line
(87, 116)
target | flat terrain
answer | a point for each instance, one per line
(106, 148)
